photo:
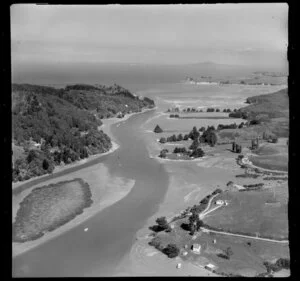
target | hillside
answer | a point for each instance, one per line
(53, 126)
(274, 105)
(269, 112)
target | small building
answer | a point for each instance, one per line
(210, 266)
(178, 265)
(219, 202)
(120, 115)
(196, 248)
(214, 241)
(184, 253)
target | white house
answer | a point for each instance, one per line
(219, 202)
(210, 266)
(196, 248)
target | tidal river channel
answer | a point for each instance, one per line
(112, 230)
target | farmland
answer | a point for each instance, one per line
(253, 213)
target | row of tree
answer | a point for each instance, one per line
(231, 126)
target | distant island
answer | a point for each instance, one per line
(256, 78)
(53, 126)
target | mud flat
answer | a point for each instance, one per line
(104, 190)
(48, 207)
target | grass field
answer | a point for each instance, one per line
(249, 212)
(272, 162)
(48, 207)
(272, 156)
(247, 256)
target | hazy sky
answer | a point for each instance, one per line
(251, 34)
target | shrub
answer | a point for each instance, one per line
(179, 137)
(223, 256)
(156, 242)
(198, 152)
(254, 122)
(194, 144)
(163, 153)
(179, 150)
(157, 130)
(186, 137)
(162, 140)
(171, 251)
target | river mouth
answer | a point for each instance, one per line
(111, 231)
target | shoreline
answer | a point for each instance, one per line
(113, 189)
(106, 129)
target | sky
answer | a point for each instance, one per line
(238, 34)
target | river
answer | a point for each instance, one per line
(111, 231)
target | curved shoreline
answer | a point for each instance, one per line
(120, 191)
(37, 194)
(106, 128)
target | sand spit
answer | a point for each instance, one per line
(48, 207)
(105, 189)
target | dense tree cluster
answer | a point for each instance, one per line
(174, 116)
(161, 225)
(171, 250)
(209, 136)
(237, 148)
(227, 110)
(173, 138)
(57, 126)
(180, 150)
(194, 134)
(194, 223)
(281, 263)
(163, 153)
(210, 109)
(230, 126)
(238, 114)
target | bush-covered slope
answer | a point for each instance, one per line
(272, 105)
(61, 125)
(270, 112)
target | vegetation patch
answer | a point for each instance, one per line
(55, 126)
(49, 207)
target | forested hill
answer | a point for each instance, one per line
(274, 105)
(51, 126)
(272, 110)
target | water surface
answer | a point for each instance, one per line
(111, 231)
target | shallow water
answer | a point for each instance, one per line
(112, 231)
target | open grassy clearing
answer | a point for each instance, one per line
(272, 162)
(252, 212)
(48, 207)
